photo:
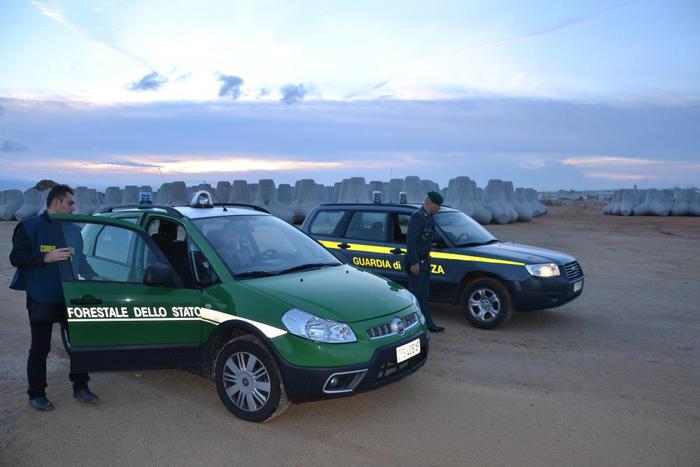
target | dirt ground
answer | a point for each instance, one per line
(612, 378)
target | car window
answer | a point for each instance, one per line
(398, 234)
(154, 225)
(133, 220)
(461, 229)
(171, 238)
(114, 244)
(326, 222)
(108, 253)
(261, 244)
(204, 274)
(367, 225)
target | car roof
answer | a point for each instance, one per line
(198, 213)
(189, 212)
(381, 206)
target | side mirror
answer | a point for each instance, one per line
(159, 274)
(438, 243)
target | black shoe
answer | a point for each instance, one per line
(435, 328)
(85, 395)
(42, 404)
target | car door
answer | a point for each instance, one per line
(327, 228)
(443, 275)
(116, 321)
(365, 243)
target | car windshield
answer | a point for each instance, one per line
(259, 246)
(462, 230)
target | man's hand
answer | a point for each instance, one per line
(415, 269)
(59, 254)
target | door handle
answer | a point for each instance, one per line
(397, 251)
(343, 246)
(86, 300)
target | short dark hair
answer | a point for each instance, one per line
(58, 192)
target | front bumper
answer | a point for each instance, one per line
(307, 383)
(539, 293)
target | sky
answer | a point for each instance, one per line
(552, 94)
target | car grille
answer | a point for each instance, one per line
(390, 370)
(385, 330)
(573, 271)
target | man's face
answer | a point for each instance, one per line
(65, 205)
(431, 207)
(233, 239)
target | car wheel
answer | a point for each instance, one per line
(248, 380)
(486, 303)
(65, 338)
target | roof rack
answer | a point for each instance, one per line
(392, 205)
(168, 209)
(242, 205)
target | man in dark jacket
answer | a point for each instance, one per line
(36, 256)
(419, 241)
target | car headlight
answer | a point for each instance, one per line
(543, 270)
(421, 318)
(308, 326)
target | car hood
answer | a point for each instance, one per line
(517, 252)
(341, 293)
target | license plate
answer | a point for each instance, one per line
(578, 285)
(407, 351)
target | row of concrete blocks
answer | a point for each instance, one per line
(498, 203)
(653, 202)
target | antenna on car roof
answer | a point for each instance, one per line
(213, 193)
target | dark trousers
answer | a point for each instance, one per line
(420, 287)
(36, 364)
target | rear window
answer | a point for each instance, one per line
(366, 225)
(325, 222)
(400, 227)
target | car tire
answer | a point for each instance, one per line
(65, 338)
(486, 303)
(248, 380)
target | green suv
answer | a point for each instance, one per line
(238, 295)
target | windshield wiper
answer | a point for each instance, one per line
(256, 274)
(302, 267)
(489, 242)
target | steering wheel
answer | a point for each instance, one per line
(268, 254)
(464, 235)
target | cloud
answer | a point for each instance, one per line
(367, 91)
(12, 146)
(535, 142)
(631, 168)
(292, 93)
(596, 161)
(539, 33)
(151, 82)
(125, 163)
(54, 10)
(231, 86)
(263, 92)
(183, 77)
(197, 164)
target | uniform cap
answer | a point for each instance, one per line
(435, 197)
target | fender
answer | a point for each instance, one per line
(217, 336)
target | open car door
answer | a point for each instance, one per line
(127, 310)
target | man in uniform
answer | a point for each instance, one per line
(36, 257)
(419, 240)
